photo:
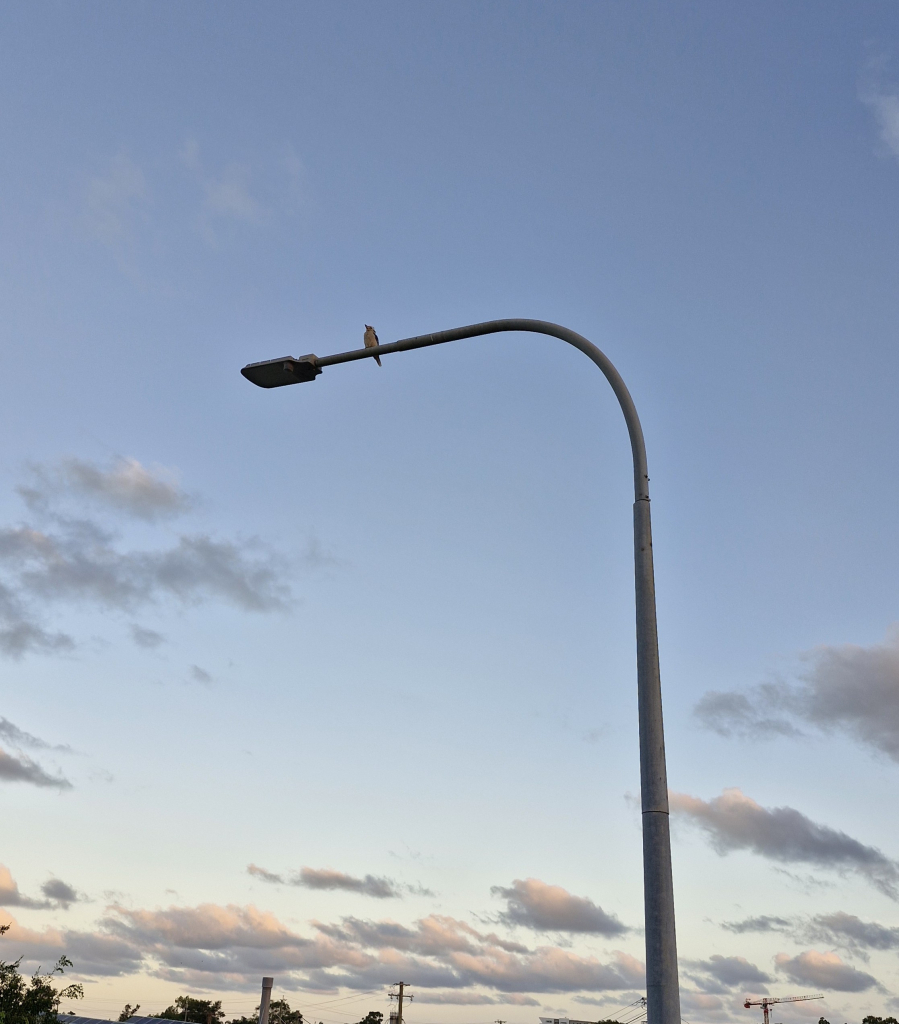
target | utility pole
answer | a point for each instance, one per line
(398, 996)
(266, 999)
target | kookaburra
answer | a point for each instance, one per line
(371, 339)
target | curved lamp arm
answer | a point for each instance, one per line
(662, 988)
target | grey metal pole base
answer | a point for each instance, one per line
(662, 989)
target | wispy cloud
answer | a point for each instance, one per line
(265, 876)
(13, 734)
(19, 768)
(226, 195)
(848, 688)
(125, 485)
(148, 638)
(757, 924)
(883, 98)
(115, 201)
(544, 907)
(824, 970)
(326, 878)
(852, 933)
(836, 929)
(734, 821)
(65, 556)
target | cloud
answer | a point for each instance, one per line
(206, 927)
(93, 953)
(148, 638)
(58, 891)
(441, 951)
(326, 878)
(824, 970)
(23, 769)
(852, 933)
(266, 876)
(544, 907)
(840, 929)
(18, 636)
(230, 196)
(114, 201)
(220, 947)
(10, 895)
(13, 734)
(200, 675)
(126, 485)
(847, 688)
(452, 998)
(735, 822)
(702, 1005)
(883, 101)
(723, 973)
(316, 557)
(70, 559)
(227, 195)
(225, 946)
(731, 714)
(886, 110)
(757, 924)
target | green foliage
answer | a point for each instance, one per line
(195, 1011)
(35, 1001)
(372, 1017)
(821, 1020)
(279, 1012)
(878, 1020)
(128, 1012)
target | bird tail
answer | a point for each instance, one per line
(378, 360)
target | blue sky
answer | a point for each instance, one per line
(374, 636)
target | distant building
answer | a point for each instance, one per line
(563, 1020)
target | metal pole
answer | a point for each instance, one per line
(662, 988)
(266, 1001)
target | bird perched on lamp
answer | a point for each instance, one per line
(371, 339)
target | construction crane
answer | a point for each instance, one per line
(767, 1002)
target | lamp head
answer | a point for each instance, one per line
(276, 373)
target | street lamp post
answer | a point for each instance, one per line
(662, 990)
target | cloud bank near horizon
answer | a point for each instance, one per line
(213, 946)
